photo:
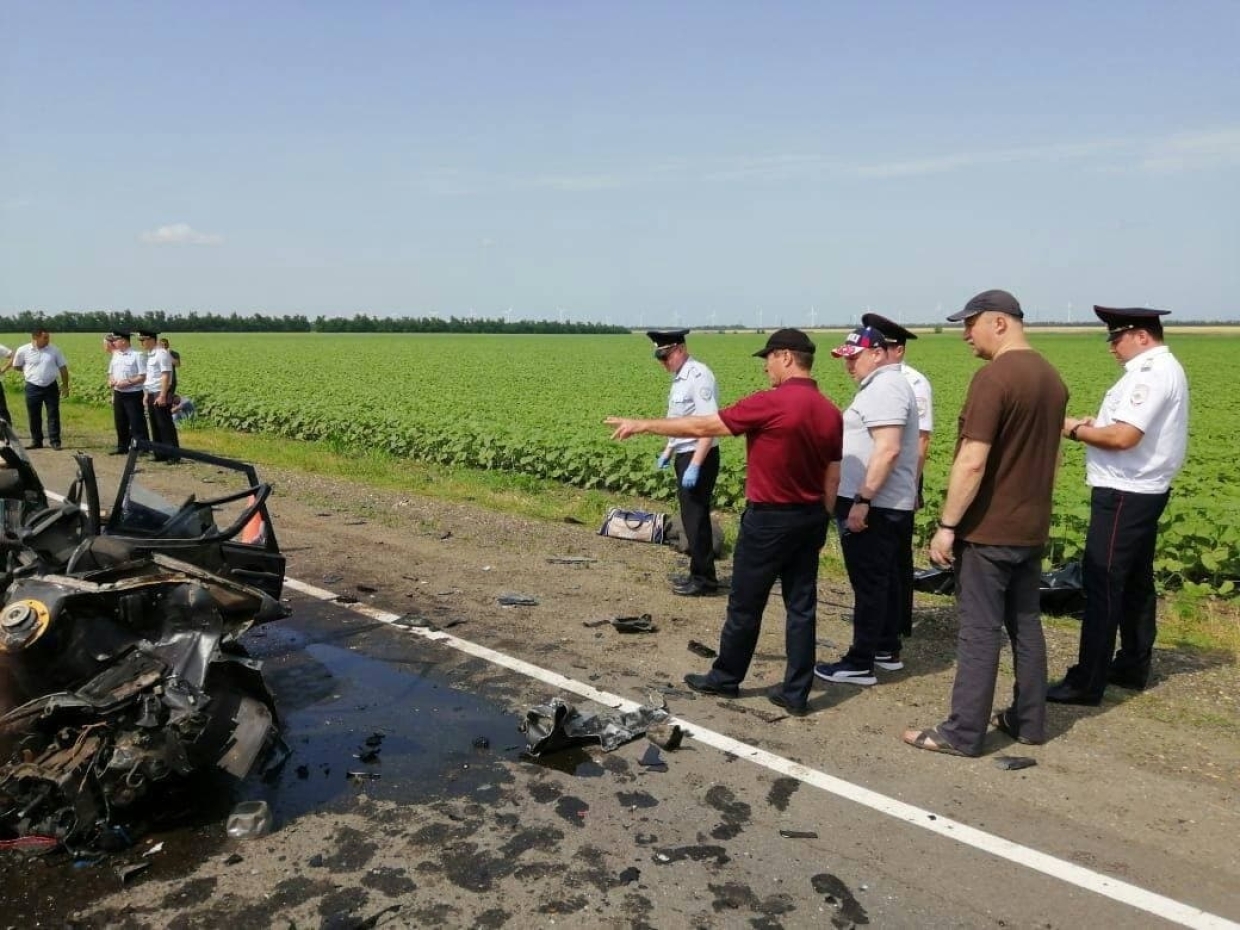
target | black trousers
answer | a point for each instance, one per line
(775, 543)
(1118, 576)
(872, 559)
(36, 399)
(695, 515)
(997, 592)
(4, 407)
(162, 428)
(128, 417)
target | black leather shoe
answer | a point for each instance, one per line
(1067, 693)
(703, 684)
(56, 446)
(693, 588)
(776, 697)
(35, 445)
(1129, 679)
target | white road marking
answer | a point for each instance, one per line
(1123, 892)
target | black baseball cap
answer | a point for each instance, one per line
(792, 339)
(999, 301)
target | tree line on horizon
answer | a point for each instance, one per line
(105, 321)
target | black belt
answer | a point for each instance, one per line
(802, 505)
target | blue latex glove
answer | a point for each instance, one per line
(663, 460)
(690, 477)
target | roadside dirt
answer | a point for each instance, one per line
(1144, 786)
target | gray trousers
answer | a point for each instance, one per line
(997, 590)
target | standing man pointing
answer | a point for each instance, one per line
(696, 459)
(1135, 447)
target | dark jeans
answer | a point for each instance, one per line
(775, 543)
(36, 399)
(128, 417)
(872, 559)
(1118, 576)
(997, 590)
(695, 515)
(162, 428)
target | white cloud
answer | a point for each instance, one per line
(179, 234)
(1190, 151)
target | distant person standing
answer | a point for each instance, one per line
(5, 353)
(874, 511)
(176, 360)
(182, 408)
(1135, 447)
(793, 447)
(126, 377)
(157, 389)
(994, 526)
(696, 459)
(41, 363)
(897, 345)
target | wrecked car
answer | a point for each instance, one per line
(120, 666)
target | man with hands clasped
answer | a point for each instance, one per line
(696, 460)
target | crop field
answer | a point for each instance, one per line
(535, 405)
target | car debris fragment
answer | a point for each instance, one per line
(559, 725)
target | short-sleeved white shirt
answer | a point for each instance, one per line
(39, 367)
(158, 362)
(1152, 395)
(924, 395)
(123, 365)
(883, 398)
(693, 394)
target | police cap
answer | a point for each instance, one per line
(1119, 320)
(893, 332)
(147, 334)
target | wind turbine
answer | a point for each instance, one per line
(813, 316)
(712, 319)
(759, 319)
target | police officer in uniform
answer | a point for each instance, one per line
(126, 376)
(1135, 446)
(158, 399)
(897, 338)
(696, 461)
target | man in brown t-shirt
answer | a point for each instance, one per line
(994, 525)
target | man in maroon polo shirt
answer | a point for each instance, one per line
(793, 446)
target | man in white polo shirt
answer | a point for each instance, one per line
(40, 363)
(1135, 447)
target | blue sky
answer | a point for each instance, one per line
(642, 163)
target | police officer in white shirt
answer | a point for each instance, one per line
(1135, 447)
(158, 395)
(5, 353)
(126, 375)
(897, 338)
(40, 363)
(693, 393)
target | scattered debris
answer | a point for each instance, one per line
(629, 875)
(571, 560)
(362, 776)
(366, 589)
(798, 834)
(517, 600)
(249, 819)
(234, 859)
(701, 649)
(602, 621)
(666, 735)
(642, 624)
(345, 599)
(126, 872)
(558, 725)
(157, 848)
(651, 760)
(481, 742)
(333, 579)
(1012, 763)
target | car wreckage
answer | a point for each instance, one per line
(121, 671)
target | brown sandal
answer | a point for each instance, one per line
(930, 740)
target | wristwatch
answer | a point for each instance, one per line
(861, 500)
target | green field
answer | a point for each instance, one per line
(535, 404)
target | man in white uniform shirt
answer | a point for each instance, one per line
(897, 338)
(1135, 447)
(696, 461)
(158, 395)
(41, 363)
(126, 376)
(5, 354)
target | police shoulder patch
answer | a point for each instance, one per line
(706, 392)
(1140, 394)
